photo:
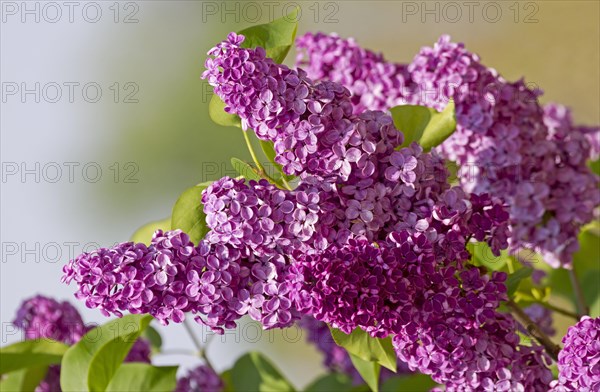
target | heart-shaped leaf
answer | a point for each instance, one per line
(144, 234)
(368, 370)
(362, 345)
(188, 213)
(254, 372)
(92, 362)
(424, 125)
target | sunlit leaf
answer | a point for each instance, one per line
(92, 362)
(424, 125)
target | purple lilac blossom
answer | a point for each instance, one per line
(312, 125)
(200, 379)
(551, 191)
(579, 360)
(372, 81)
(443, 317)
(371, 237)
(378, 187)
(42, 317)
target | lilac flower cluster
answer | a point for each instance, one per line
(551, 191)
(312, 125)
(379, 188)
(336, 358)
(200, 379)
(137, 278)
(373, 82)
(373, 237)
(42, 317)
(443, 317)
(579, 360)
(218, 281)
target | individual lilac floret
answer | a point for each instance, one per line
(312, 125)
(200, 379)
(579, 360)
(43, 317)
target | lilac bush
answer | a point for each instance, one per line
(361, 234)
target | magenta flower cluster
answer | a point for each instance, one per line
(372, 237)
(579, 360)
(42, 317)
(550, 189)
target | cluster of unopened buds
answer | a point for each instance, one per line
(372, 236)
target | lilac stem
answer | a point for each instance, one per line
(201, 350)
(534, 330)
(582, 308)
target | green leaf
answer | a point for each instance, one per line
(331, 382)
(142, 377)
(424, 125)
(39, 352)
(90, 364)
(483, 255)
(276, 37)
(368, 370)
(514, 280)
(144, 234)
(245, 170)
(227, 381)
(254, 372)
(587, 268)
(217, 113)
(154, 338)
(595, 166)
(360, 344)
(188, 214)
(414, 383)
(24, 380)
